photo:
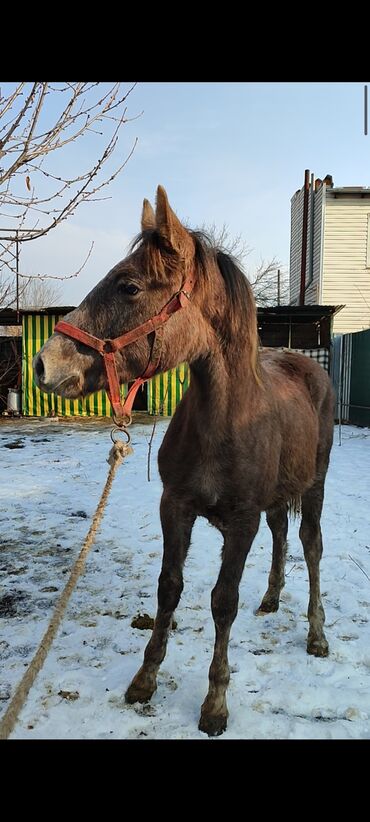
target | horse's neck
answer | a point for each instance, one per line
(223, 382)
(221, 387)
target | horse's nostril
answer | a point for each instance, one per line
(39, 368)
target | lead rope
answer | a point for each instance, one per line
(117, 454)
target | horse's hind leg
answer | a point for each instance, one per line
(177, 523)
(310, 534)
(277, 520)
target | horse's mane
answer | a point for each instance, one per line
(238, 322)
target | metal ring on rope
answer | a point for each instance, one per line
(122, 422)
(120, 430)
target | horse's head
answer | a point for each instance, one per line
(136, 289)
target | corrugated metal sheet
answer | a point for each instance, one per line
(359, 409)
(351, 377)
(37, 328)
(340, 372)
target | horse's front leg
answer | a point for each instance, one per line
(238, 537)
(177, 520)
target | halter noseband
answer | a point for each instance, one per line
(107, 349)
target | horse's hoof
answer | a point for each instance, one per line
(138, 693)
(268, 606)
(213, 725)
(318, 647)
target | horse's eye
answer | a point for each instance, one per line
(129, 288)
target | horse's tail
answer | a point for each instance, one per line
(295, 507)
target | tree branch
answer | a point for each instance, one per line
(91, 110)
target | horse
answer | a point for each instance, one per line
(252, 434)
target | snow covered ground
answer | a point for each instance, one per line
(49, 492)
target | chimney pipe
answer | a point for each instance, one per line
(304, 235)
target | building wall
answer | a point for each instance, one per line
(313, 294)
(316, 202)
(295, 245)
(346, 267)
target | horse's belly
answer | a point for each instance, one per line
(297, 468)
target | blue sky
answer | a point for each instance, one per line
(229, 153)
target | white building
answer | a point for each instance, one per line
(335, 268)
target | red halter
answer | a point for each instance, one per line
(107, 348)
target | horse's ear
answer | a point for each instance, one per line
(169, 225)
(147, 216)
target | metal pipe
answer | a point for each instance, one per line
(306, 191)
(340, 389)
(312, 232)
(352, 405)
(17, 271)
(365, 110)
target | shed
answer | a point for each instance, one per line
(304, 328)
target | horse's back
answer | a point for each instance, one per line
(292, 372)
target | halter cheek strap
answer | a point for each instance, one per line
(107, 349)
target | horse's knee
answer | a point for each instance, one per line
(224, 605)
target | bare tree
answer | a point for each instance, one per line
(268, 290)
(41, 294)
(8, 287)
(264, 280)
(37, 120)
(220, 238)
